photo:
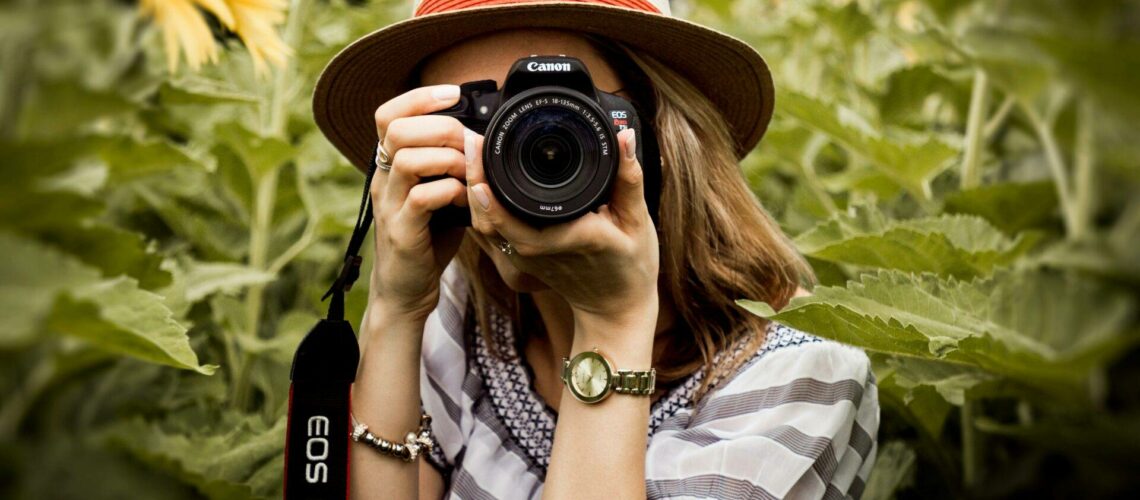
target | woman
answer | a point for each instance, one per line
(741, 408)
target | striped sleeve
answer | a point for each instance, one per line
(443, 367)
(798, 421)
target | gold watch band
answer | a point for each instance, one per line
(635, 382)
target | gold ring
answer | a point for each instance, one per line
(383, 159)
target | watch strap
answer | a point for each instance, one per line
(635, 382)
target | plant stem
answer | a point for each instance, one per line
(1056, 166)
(971, 458)
(1083, 179)
(807, 165)
(975, 143)
(274, 113)
(999, 116)
(16, 404)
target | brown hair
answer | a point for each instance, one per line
(718, 244)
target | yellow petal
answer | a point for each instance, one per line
(220, 10)
(255, 21)
(183, 27)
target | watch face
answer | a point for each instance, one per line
(589, 377)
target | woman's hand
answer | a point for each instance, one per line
(604, 263)
(409, 257)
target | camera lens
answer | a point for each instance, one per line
(552, 154)
(552, 157)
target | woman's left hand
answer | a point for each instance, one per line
(604, 263)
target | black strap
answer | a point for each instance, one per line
(324, 367)
(350, 270)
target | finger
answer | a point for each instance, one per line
(628, 200)
(411, 165)
(411, 221)
(424, 131)
(418, 101)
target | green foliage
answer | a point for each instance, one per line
(961, 174)
(971, 213)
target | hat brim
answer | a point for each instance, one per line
(378, 66)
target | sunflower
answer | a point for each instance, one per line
(184, 27)
(255, 22)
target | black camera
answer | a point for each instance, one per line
(550, 150)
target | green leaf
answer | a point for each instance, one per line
(129, 158)
(203, 279)
(908, 91)
(117, 316)
(31, 276)
(195, 89)
(1043, 328)
(232, 460)
(894, 470)
(909, 159)
(948, 245)
(260, 154)
(951, 381)
(113, 250)
(1012, 207)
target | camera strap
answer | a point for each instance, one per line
(324, 368)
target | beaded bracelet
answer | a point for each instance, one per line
(415, 442)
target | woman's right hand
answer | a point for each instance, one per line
(409, 258)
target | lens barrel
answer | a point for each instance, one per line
(549, 154)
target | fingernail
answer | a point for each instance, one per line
(468, 132)
(445, 92)
(481, 195)
(469, 148)
(630, 145)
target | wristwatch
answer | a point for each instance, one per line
(591, 377)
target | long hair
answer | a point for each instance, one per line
(718, 244)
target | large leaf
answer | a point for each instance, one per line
(31, 276)
(1043, 328)
(911, 160)
(238, 460)
(947, 245)
(117, 316)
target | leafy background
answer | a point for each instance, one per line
(961, 174)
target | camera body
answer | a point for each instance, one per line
(550, 151)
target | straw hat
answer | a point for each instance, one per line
(380, 65)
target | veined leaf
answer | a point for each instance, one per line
(948, 245)
(911, 161)
(1042, 328)
(31, 276)
(117, 316)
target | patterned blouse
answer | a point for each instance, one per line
(798, 420)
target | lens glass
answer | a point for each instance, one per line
(552, 154)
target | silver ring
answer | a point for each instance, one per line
(383, 159)
(505, 247)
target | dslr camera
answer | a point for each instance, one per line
(550, 152)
